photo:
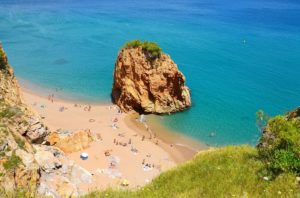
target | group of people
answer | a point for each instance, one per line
(51, 97)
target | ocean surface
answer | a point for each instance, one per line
(238, 56)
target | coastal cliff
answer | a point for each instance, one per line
(148, 81)
(9, 88)
(27, 163)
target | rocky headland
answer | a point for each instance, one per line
(146, 80)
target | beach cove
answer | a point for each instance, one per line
(138, 151)
(238, 57)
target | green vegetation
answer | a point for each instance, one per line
(19, 141)
(18, 193)
(133, 44)
(280, 145)
(12, 163)
(2, 62)
(9, 112)
(226, 172)
(150, 48)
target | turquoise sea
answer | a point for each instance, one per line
(237, 56)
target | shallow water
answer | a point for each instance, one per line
(238, 57)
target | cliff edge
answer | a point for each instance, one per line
(27, 162)
(148, 81)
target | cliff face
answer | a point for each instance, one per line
(25, 161)
(148, 86)
(17, 162)
(9, 89)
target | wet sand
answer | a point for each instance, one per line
(149, 149)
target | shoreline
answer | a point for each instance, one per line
(170, 139)
(164, 150)
(167, 135)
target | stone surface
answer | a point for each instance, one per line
(70, 142)
(294, 114)
(60, 177)
(155, 86)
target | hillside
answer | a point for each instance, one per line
(233, 171)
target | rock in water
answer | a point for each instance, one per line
(148, 81)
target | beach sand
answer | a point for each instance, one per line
(150, 143)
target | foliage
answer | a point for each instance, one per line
(9, 112)
(133, 44)
(2, 63)
(225, 172)
(20, 142)
(2, 59)
(19, 193)
(151, 48)
(12, 163)
(279, 146)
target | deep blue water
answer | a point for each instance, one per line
(237, 56)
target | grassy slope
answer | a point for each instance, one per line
(226, 172)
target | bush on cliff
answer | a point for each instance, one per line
(151, 48)
(12, 163)
(279, 147)
(2, 62)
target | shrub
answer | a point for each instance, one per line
(279, 146)
(9, 112)
(2, 61)
(12, 163)
(133, 44)
(20, 142)
(151, 49)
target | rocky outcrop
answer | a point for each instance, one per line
(25, 122)
(60, 177)
(24, 162)
(293, 114)
(70, 142)
(148, 85)
(269, 136)
(9, 89)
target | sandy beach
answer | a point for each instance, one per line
(148, 151)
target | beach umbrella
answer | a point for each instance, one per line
(84, 156)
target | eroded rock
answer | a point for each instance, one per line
(71, 141)
(148, 86)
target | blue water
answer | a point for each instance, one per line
(237, 56)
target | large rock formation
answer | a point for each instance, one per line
(70, 142)
(148, 84)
